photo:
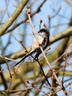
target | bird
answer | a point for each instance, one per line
(41, 40)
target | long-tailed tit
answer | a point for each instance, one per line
(41, 40)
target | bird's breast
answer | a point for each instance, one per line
(36, 42)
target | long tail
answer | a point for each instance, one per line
(30, 53)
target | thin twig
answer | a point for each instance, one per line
(64, 71)
(7, 58)
(3, 79)
(37, 42)
(10, 81)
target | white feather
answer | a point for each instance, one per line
(36, 42)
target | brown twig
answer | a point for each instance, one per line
(7, 58)
(15, 91)
(3, 79)
(37, 42)
(64, 70)
(4, 12)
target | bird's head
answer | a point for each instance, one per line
(43, 32)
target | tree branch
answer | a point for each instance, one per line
(13, 17)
